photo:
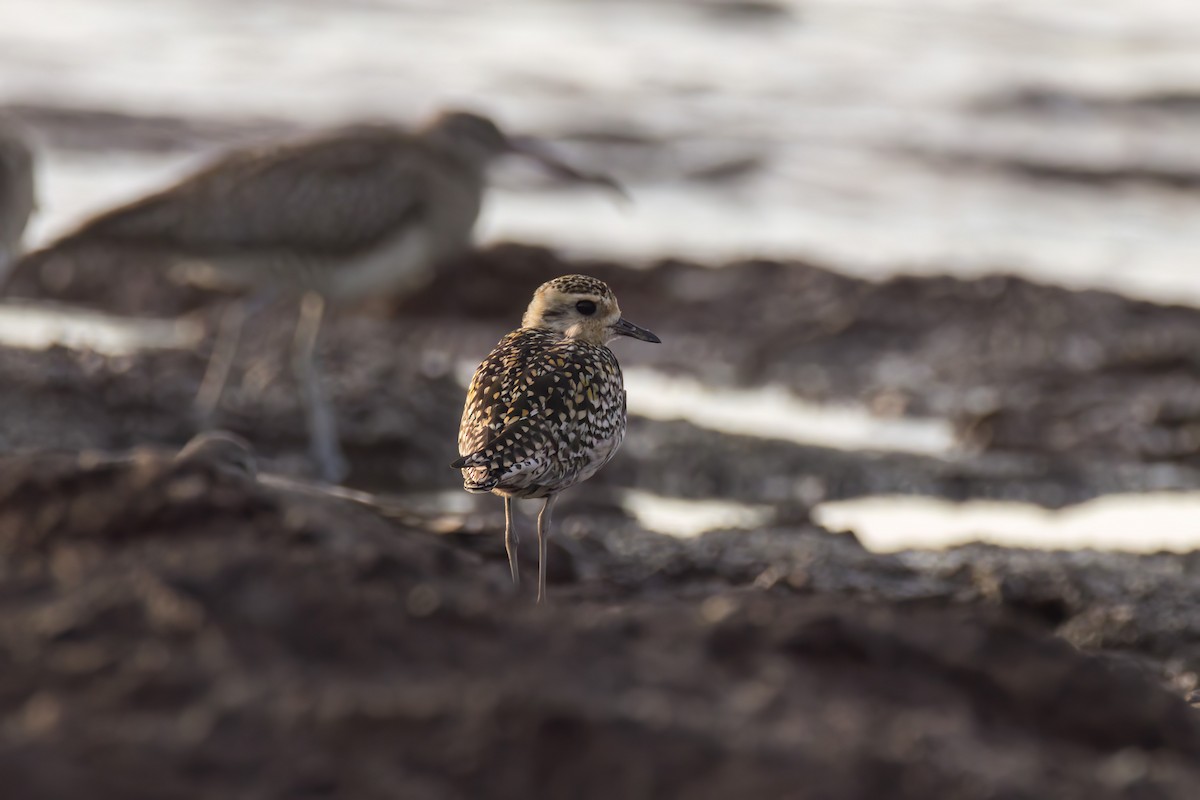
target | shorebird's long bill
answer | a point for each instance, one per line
(535, 149)
(624, 327)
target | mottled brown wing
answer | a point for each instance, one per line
(511, 385)
(338, 193)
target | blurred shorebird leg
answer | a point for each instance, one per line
(510, 541)
(229, 336)
(6, 260)
(538, 151)
(322, 425)
(543, 523)
(18, 198)
(216, 374)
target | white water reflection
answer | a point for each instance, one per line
(1140, 523)
(686, 518)
(38, 326)
(775, 413)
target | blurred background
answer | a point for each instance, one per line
(1052, 142)
(882, 137)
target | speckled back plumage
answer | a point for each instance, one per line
(543, 412)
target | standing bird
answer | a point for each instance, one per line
(546, 408)
(352, 213)
(17, 198)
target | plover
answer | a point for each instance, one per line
(546, 409)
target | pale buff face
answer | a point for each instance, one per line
(581, 308)
(587, 316)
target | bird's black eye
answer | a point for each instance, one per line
(586, 307)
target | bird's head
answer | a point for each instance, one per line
(473, 136)
(579, 307)
(479, 141)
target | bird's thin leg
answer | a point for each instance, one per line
(8, 258)
(216, 374)
(543, 536)
(322, 425)
(510, 541)
(225, 345)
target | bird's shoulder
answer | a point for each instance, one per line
(532, 358)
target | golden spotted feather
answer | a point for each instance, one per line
(543, 412)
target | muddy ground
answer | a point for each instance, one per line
(175, 630)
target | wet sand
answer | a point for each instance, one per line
(174, 631)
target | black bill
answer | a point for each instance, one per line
(624, 327)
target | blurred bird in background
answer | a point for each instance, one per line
(359, 211)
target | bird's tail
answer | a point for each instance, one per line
(95, 272)
(477, 478)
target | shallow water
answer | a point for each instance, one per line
(1143, 523)
(873, 134)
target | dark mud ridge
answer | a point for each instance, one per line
(172, 630)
